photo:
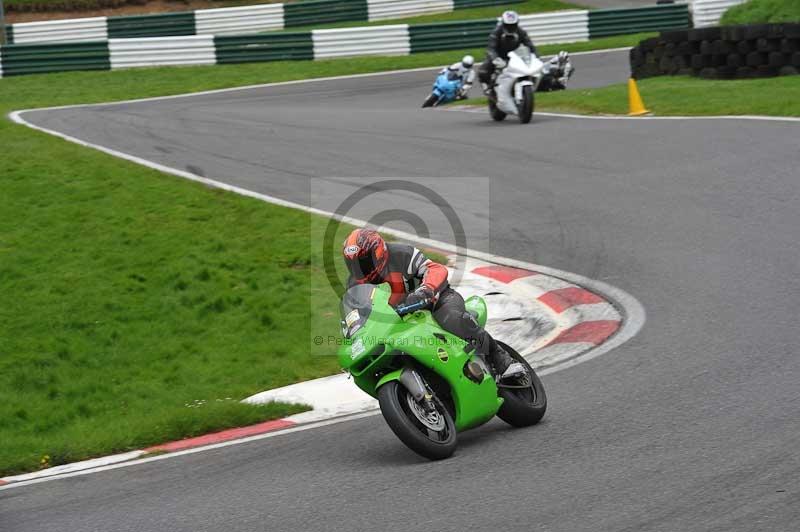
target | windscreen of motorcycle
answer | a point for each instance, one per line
(356, 307)
(524, 53)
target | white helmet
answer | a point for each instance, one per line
(468, 61)
(510, 20)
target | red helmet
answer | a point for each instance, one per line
(366, 255)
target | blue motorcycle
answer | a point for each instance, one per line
(445, 89)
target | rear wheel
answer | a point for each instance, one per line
(430, 101)
(525, 401)
(497, 114)
(431, 434)
(526, 106)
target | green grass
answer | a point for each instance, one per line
(524, 8)
(680, 96)
(85, 5)
(763, 11)
(129, 295)
(475, 13)
(65, 5)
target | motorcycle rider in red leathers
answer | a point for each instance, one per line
(414, 278)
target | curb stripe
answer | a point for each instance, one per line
(504, 274)
(594, 332)
(563, 298)
(225, 435)
(3, 482)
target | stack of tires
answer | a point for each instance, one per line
(722, 52)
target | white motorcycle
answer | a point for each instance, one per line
(515, 84)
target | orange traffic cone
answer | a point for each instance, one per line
(635, 100)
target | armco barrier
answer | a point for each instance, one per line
(727, 52)
(607, 22)
(71, 30)
(709, 12)
(163, 51)
(556, 27)
(163, 25)
(9, 33)
(561, 26)
(450, 35)
(234, 20)
(20, 59)
(377, 40)
(389, 9)
(239, 20)
(545, 28)
(267, 47)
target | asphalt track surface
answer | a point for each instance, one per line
(691, 425)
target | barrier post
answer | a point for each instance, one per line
(2, 25)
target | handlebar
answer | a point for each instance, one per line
(402, 311)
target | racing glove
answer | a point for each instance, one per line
(499, 62)
(420, 294)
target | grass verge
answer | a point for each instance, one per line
(139, 307)
(679, 96)
(118, 7)
(763, 11)
(666, 96)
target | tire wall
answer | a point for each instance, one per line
(720, 52)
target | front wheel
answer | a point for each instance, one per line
(524, 399)
(430, 101)
(497, 114)
(525, 107)
(429, 434)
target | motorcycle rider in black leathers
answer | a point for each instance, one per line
(505, 38)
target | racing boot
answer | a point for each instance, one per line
(504, 364)
(488, 90)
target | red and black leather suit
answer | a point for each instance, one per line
(414, 277)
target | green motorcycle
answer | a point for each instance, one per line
(429, 383)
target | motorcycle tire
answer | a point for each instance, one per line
(393, 399)
(430, 101)
(522, 407)
(497, 114)
(526, 107)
